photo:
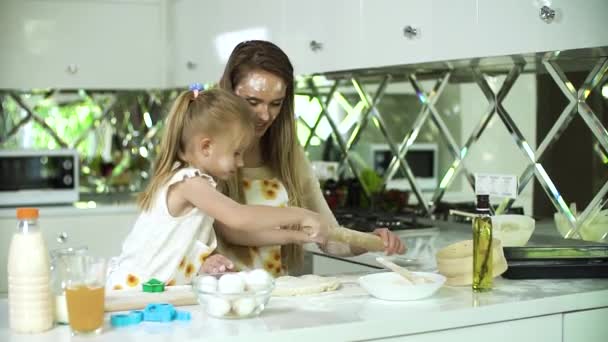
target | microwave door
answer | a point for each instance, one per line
(38, 179)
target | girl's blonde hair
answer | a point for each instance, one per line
(279, 146)
(211, 112)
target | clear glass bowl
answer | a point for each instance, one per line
(249, 303)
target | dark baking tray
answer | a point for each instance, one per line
(540, 262)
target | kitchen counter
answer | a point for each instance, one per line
(536, 307)
(530, 310)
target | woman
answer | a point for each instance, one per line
(276, 170)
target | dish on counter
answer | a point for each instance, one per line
(456, 262)
(234, 295)
(392, 286)
(595, 228)
(512, 230)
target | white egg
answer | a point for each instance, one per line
(258, 279)
(231, 283)
(217, 306)
(244, 306)
(207, 284)
(243, 275)
(261, 300)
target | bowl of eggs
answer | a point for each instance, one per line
(234, 295)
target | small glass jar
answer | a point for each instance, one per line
(59, 272)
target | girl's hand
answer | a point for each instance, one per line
(216, 263)
(392, 243)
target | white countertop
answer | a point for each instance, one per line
(351, 314)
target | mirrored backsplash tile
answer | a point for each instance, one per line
(115, 132)
(422, 130)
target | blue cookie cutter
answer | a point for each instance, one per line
(182, 315)
(154, 312)
(123, 320)
(159, 312)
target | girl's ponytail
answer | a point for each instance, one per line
(171, 148)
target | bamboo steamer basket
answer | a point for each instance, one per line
(455, 262)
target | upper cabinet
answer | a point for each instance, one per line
(513, 27)
(394, 32)
(205, 33)
(321, 36)
(172, 43)
(82, 44)
(453, 28)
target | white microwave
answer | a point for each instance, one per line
(422, 159)
(31, 177)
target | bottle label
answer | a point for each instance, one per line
(496, 185)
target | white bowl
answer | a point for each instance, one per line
(595, 229)
(249, 303)
(392, 286)
(512, 230)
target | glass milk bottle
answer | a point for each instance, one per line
(29, 292)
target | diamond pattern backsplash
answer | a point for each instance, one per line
(116, 132)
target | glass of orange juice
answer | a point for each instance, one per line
(85, 283)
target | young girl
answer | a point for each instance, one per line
(206, 134)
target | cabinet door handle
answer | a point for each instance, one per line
(62, 237)
(315, 46)
(410, 31)
(547, 14)
(190, 65)
(72, 69)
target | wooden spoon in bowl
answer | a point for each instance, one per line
(404, 272)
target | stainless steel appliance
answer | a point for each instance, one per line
(368, 220)
(32, 177)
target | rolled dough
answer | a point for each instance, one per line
(305, 285)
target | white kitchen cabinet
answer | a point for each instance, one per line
(453, 27)
(578, 24)
(160, 43)
(205, 33)
(81, 44)
(588, 326)
(101, 230)
(322, 35)
(383, 37)
(184, 54)
(325, 265)
(511, 27)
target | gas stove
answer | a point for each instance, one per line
(367, 221)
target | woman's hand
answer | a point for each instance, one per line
(316, 227)
(392, 243)
(216, 263)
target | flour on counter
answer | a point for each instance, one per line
(305, 285)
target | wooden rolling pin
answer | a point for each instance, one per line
(351, 237)
(124, 300)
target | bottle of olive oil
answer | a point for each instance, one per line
(482, 246)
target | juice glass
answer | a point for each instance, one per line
(85, 293)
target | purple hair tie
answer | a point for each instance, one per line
(196, 88)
